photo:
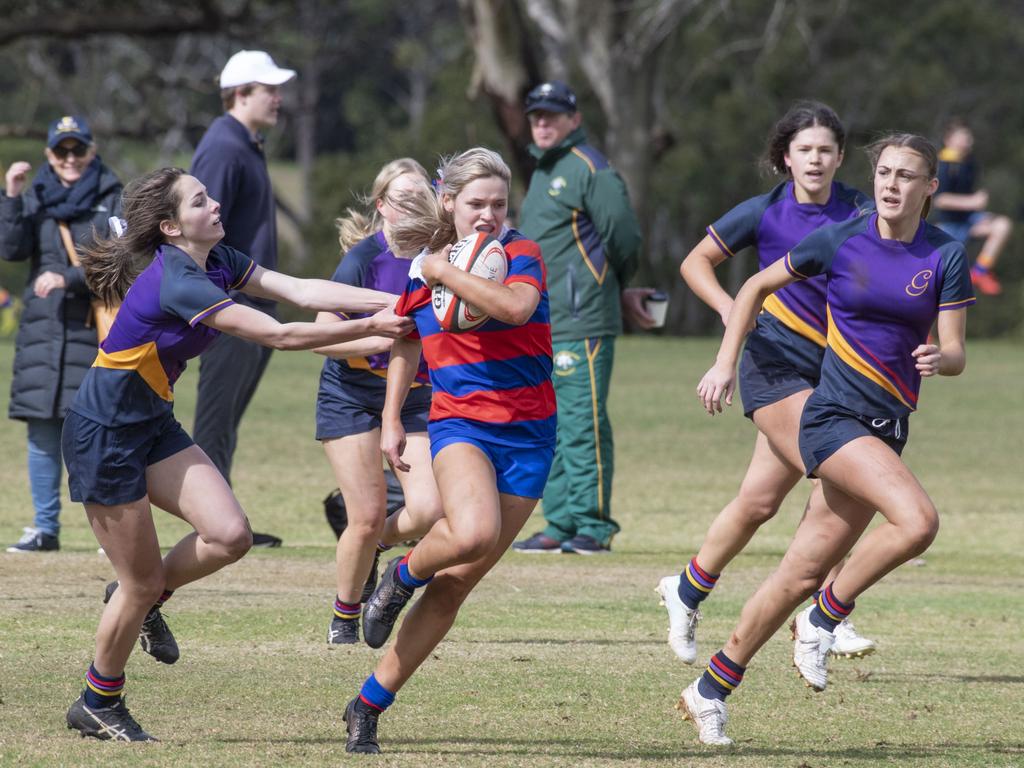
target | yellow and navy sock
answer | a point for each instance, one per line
(102, 691)
(829, 610)
(164, 597)
(695, 584)
(375, 695)
(720, 678)
(406, 576)
(381, 547)
(347, 611)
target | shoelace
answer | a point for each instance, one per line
(365, 727)
(154, 625)
(715, 719)
(691, 625)
(28, 536)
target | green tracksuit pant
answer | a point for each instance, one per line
(577, 498)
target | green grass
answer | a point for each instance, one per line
(554, 660)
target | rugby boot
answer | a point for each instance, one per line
(381, 611)
(113, 723)
(155, 637)
(682, 621)
(708, 715)
(361, 720)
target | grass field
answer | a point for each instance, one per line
(554, 660)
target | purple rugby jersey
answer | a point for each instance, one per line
(883, 296)
(369, 264)
(157, 329)
(774, 223)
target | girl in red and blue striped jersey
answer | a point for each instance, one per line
(492, 421)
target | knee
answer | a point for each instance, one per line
(143, 591)
(472, 545)
(233, 542)
(757, 509)
(364, 528)
(921, 530)
(801, 577)
(1002, 225)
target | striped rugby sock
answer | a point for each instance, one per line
(829, 611)
(347, 611)
(375, 695)
(406, 576)
(102, 691)
(720, 678)
(381, 547)
(695, 584)
(164, 597)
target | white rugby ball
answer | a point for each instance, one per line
(479, 254)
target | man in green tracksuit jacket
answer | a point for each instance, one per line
(577, 209)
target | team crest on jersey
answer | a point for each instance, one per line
(557, 185)
(565, 362)
(919, 283)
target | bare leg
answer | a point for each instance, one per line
(128, 537)
(429, 620)
(869, 471)
(189, 486)
(422, 499)
(832, 524)
(995, 229)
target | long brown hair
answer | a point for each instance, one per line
(426, 223)
(112, 264)
(356, 225)
(917, 144)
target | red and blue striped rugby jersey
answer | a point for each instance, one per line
(496, 374)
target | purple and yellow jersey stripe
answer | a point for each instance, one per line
(883, 296)
(159, 328)
(774, 223)
(498, 375)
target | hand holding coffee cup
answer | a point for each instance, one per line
(657, 307)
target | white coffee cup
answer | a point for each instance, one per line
(657, 307)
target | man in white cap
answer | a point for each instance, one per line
(230, 162)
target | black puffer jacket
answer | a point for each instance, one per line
(55, 346)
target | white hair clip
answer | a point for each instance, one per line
(118, 226)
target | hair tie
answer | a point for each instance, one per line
(117, 225)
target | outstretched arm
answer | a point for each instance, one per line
(320, 295)
(251, 324)
(362, 347)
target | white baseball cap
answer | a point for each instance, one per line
(253, 67)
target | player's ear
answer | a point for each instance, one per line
(170, 228)
(448, 202)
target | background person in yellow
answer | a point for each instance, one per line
(577, 208)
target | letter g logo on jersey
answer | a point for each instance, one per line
(919, 283)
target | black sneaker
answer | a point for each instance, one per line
(387, 601)
(268, 540)
(33, 540)
(361, 719)
(371, 578)
(155, 637)
(538, 544)
(581, 544)
(113, 723)
(343, 631)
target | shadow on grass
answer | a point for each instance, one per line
(555, 641)
(916, 677)
(599, 749)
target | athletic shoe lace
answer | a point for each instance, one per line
(154, 628)
(691, 625)
(713, 718)
(365, 727)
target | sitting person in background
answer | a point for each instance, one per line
(961, 206)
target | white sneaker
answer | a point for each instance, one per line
(849, 644)
(708, 715)
(682, 621)
(810, 649)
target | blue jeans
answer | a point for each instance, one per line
(44, 472)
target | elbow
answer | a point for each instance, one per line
(281, 339)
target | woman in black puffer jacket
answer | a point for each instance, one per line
(56, 342)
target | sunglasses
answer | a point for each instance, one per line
(78, 150)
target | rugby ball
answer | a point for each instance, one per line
(479, 254)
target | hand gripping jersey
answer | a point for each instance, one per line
(774, 223)
(883, 296)
(497, 376)
(156, 331)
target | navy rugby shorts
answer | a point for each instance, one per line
(826, 427)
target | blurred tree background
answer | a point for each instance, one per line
(680, 93)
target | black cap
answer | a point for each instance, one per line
(552, 96)
(68, 127)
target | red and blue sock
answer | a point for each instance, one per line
(100, 691)
(829, 611)
(406, 576)
(375, 695)
(721, 677)
(695, 584)
(347, 611)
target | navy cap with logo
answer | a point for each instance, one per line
(552, 96)
(68, 127)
